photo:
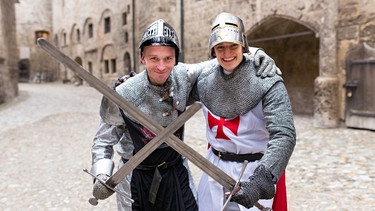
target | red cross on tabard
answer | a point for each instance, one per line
(231, 124)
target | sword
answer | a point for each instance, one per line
(201, 162)
(235, 189)
(94, 201)
(145, 151)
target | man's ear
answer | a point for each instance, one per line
(143, 59)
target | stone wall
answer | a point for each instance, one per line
(200, 14)
(94, 47)
(71, 18)
(313, 63)
(34, 19)
(319, 16)
(8, 52)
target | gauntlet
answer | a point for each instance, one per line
(259, 186)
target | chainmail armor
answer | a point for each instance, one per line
(169, 99)
(235, 94)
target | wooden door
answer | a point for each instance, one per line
(360, 88)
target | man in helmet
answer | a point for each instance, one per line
(247, 118)
(162, 181)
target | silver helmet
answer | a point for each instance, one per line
(160, 33)
(227, 28)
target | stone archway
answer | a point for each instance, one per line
(295, 49)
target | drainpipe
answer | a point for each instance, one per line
(182, 30)
(133, 29)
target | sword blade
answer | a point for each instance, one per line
(98, 85)
(142, 154)
(201, 162)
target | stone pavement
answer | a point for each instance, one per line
(46, 135)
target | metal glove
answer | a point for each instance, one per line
(265, 65)
(123, 78)
(100, 191)
(259, 186)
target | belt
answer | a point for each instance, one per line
(162, 165)
(156, 179)
(237, 157)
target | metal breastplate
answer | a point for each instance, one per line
(234, 94)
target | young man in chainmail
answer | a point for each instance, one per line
(247, 117)
(163, 180)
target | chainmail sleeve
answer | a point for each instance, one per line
(194, 71)
(110, 132)
(280, 124)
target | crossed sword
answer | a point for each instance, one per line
(164, 134)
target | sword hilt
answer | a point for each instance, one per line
(261, 207)
(94, 201)
(235, 189)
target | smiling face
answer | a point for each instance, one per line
(159, 61)
(229, 55)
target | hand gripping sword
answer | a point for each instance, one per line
(164, 135)
(235, 189)
(94, 201)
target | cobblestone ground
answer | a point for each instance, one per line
(46, 135)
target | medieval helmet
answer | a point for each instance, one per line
(160, 33)
(227, 28)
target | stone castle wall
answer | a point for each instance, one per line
(33, 21)
(313, 65)
(8, 52)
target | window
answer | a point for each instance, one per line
(110, 66)
(89, 64)
(91, 30)
(124, 18)
(126, 37)
(107, 25)
(64, 37)
(78, 36)
(39, 34)
(106, 66)
(56, 40)
(113, 63)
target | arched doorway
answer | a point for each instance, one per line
(24, 70)
(295, 49)
(77, 80)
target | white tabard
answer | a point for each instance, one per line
(241, 135)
